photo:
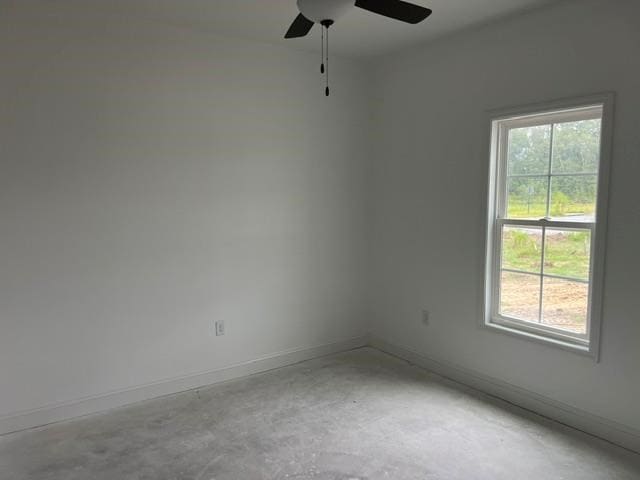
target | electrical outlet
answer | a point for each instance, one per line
(425, 317)
(219, 328)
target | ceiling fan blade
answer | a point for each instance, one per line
(300, 27)
(397, 9)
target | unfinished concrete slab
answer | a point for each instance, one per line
(357, 415)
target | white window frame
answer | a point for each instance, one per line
(501, 122)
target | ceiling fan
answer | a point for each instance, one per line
(326, 12)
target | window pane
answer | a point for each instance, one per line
(529, 150)
(520, 296)
(565, 304)
(574, 197)
(522, 249)
(567, 253)
(576, 147)
(527, 197)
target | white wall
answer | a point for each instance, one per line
(429, 181)
(154, 180)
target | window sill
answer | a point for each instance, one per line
(567, 345)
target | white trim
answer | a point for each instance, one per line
(99, 403)
(558, 411)
(547, 407)
(561, 112)
(502, 119)
(570, 103)
(548, 223)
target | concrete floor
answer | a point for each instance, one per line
(354, 416)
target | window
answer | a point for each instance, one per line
(546, 217)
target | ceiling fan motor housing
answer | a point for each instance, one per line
(321, 10)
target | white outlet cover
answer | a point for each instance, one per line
(219, 328)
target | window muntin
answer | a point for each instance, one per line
(544, 223)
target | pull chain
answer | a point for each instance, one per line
(324, 66)
(322, 61)
(326, 91)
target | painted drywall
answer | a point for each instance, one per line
(428, 192)
(154, 180)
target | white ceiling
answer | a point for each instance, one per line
(358, 34)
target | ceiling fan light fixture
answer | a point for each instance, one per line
(320, 10)
(326, 12)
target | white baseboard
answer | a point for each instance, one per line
(601, 427)
(579, 419)
(99, 403)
